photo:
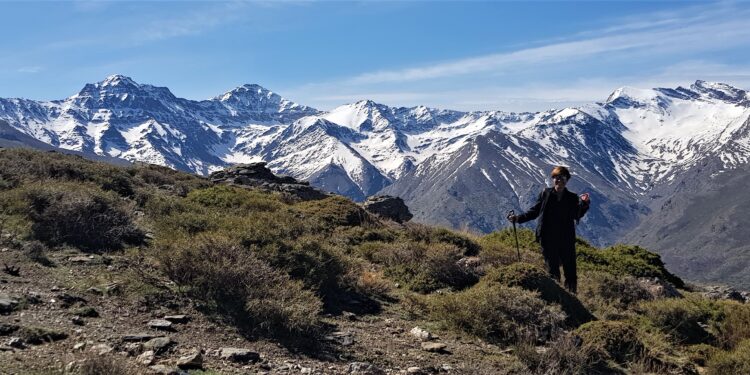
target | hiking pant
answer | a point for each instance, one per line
(565, 255)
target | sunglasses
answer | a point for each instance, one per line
(559, 177)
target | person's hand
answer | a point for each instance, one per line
(513, 218)
(585, 198)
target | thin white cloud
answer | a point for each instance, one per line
(689, 37)
(30, 69)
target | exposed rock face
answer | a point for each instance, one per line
(388, 207)
(257, 175)
(725, 292)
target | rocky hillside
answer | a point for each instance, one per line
(142, 269)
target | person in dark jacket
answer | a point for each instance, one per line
(557, 211)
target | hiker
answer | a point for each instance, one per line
(558, 211)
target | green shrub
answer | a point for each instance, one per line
(433, 235)
(329, 213)
(421, 266)
(80, 216)
(235, 199)
(734, 324)
(220, 271)
(735, 362)
(532, 278)
(609, 295)
(567, 354)
(624, 260)
(619, 340)
(496, 313)
(700, 353)
(682, 319)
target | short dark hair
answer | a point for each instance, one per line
(560, 170)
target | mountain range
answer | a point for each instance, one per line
(664, 166)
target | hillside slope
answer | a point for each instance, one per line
(148, 270)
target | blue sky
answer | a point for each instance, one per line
(513, 56)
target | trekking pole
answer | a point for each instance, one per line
(518, 251)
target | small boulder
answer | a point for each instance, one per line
(166, 370)
(7, 304)
(179, 319)
(160, 324)
(364, 368)
(158, 344)
(434, 347)
(659, 288)
(101, 349)
(238, 355)
(421, 334)
(16, 342)
(389, 207)
(137, 337)
(146, 358)
(77, 320)
(193, 360)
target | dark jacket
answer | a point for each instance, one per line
(573, 207)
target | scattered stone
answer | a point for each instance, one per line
(146, 358)
(138, 337)
(716, 292)
(81, 259)
(421, 334)
(364, 368)
(659, 288)
(6, 329)
(194, 360)
(133, 348)
(77, 320)
(16, 342)
(101, 349)
(414, 370)
(350, 316)
(7, 304)
(238, 355)
(472, 264)
(160, 324)
(158, 345)
(180, 319)
(95, 290)
(434, 347)
(446, 367)
(166, 370)
(88, 312)
(389, 207)
(79, 346)
(341, 337)
(68, 299)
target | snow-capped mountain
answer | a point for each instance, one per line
(460, 169)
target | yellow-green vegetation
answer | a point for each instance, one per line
(275, 266)
(529, 277)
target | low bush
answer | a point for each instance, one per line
(610, 296)
(106, 364)
(736, 361)
(623, 260)
(422, 267)
(700, 353)
(80, 216)
(567, 354)
(497, 313)
(329, 213)
(533, 278)
(40, 335)
(235, 199)
(734, 325)
(240, 285)
(37, 252)
(433, 235)
(619, 340)
(683, 319)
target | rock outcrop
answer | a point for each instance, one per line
(258, 176)
(388, 207)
